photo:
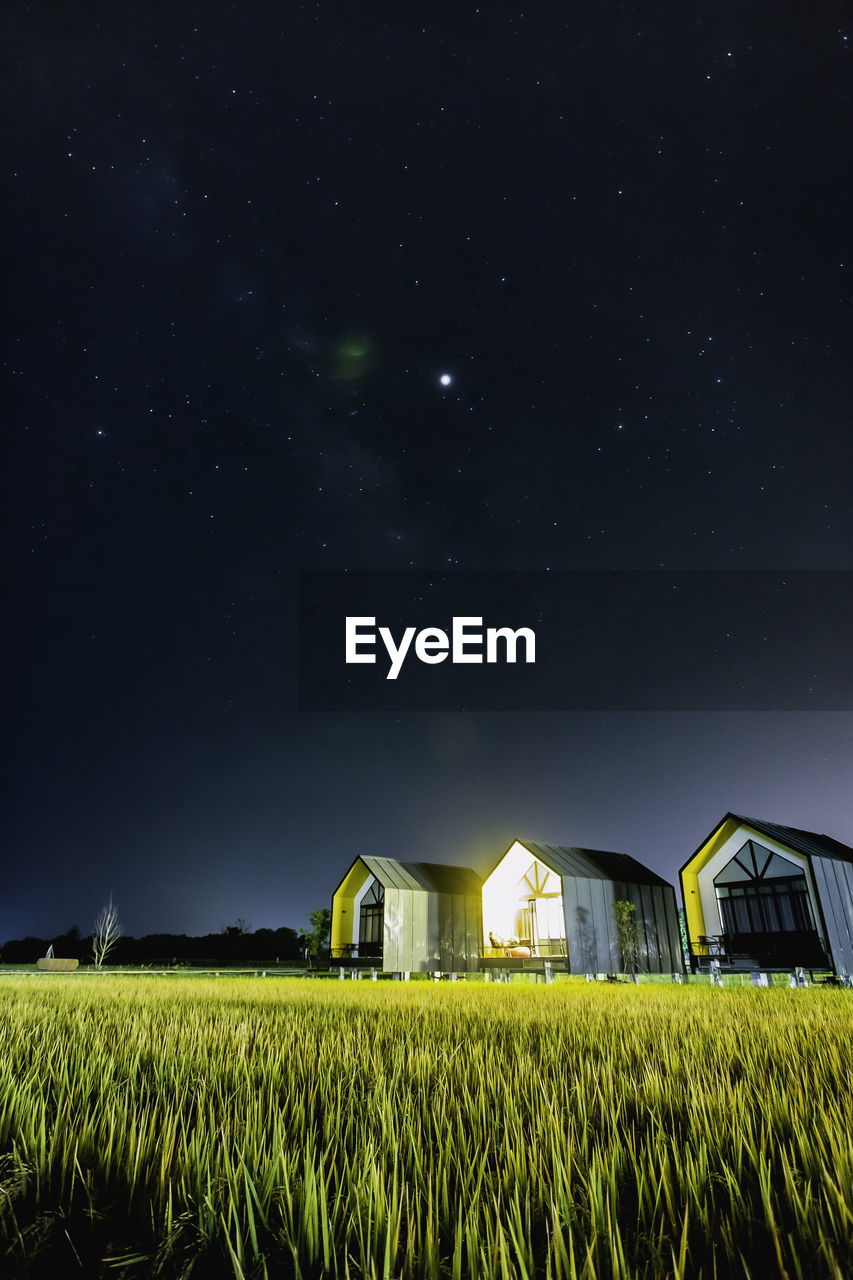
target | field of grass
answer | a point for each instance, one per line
(249, 1128)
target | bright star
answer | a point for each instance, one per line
(445, 379)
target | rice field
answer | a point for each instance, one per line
(276, 1127)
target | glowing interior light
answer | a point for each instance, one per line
(522, 901)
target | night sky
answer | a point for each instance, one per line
(354, 286)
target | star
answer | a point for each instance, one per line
(445, 379)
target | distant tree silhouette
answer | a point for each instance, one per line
(316, 939)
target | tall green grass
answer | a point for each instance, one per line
(254, 1128)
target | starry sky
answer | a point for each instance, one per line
(324, 286)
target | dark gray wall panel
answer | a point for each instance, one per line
(445, 931)
(656, 916)
(586, 906)
(660, 960)
(673, 931)
(473, 929)
(607, 950)
(834, 884)
(458, 949)
(580, 940)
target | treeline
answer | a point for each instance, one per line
(232, 946)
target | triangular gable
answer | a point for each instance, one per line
(753, 861)
(807, 843)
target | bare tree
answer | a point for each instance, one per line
(106, 933)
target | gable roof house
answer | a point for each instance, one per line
(407, 917)
(757, 894)
(557, 901)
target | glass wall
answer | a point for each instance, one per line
(371, 921)
(761, 892)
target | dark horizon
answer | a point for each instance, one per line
(673, 776)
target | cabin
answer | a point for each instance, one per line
(407, 917)
(554, 903)
(762, 896)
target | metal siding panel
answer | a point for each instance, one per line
(825, 889)
(418, 933)
(405, 952)
(408, 944)
(445, 931)
(433, 940)
(655, 941)
(844, 879)
(663, 956)
(391, 927)
(474, 929)
(464, 940)
(646, 928)
(641, 916)
(668, 959)
(658, 945)
(834, 883)
(673, 931)
(406, 948)
(639, 894)
(396, 946)
(417, 956)
(457, 909)
(844, 873)
(601, 896)
(658, 941)
(582, 924)
(574, 956)
(628, 892)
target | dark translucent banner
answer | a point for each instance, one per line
(620, 640)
